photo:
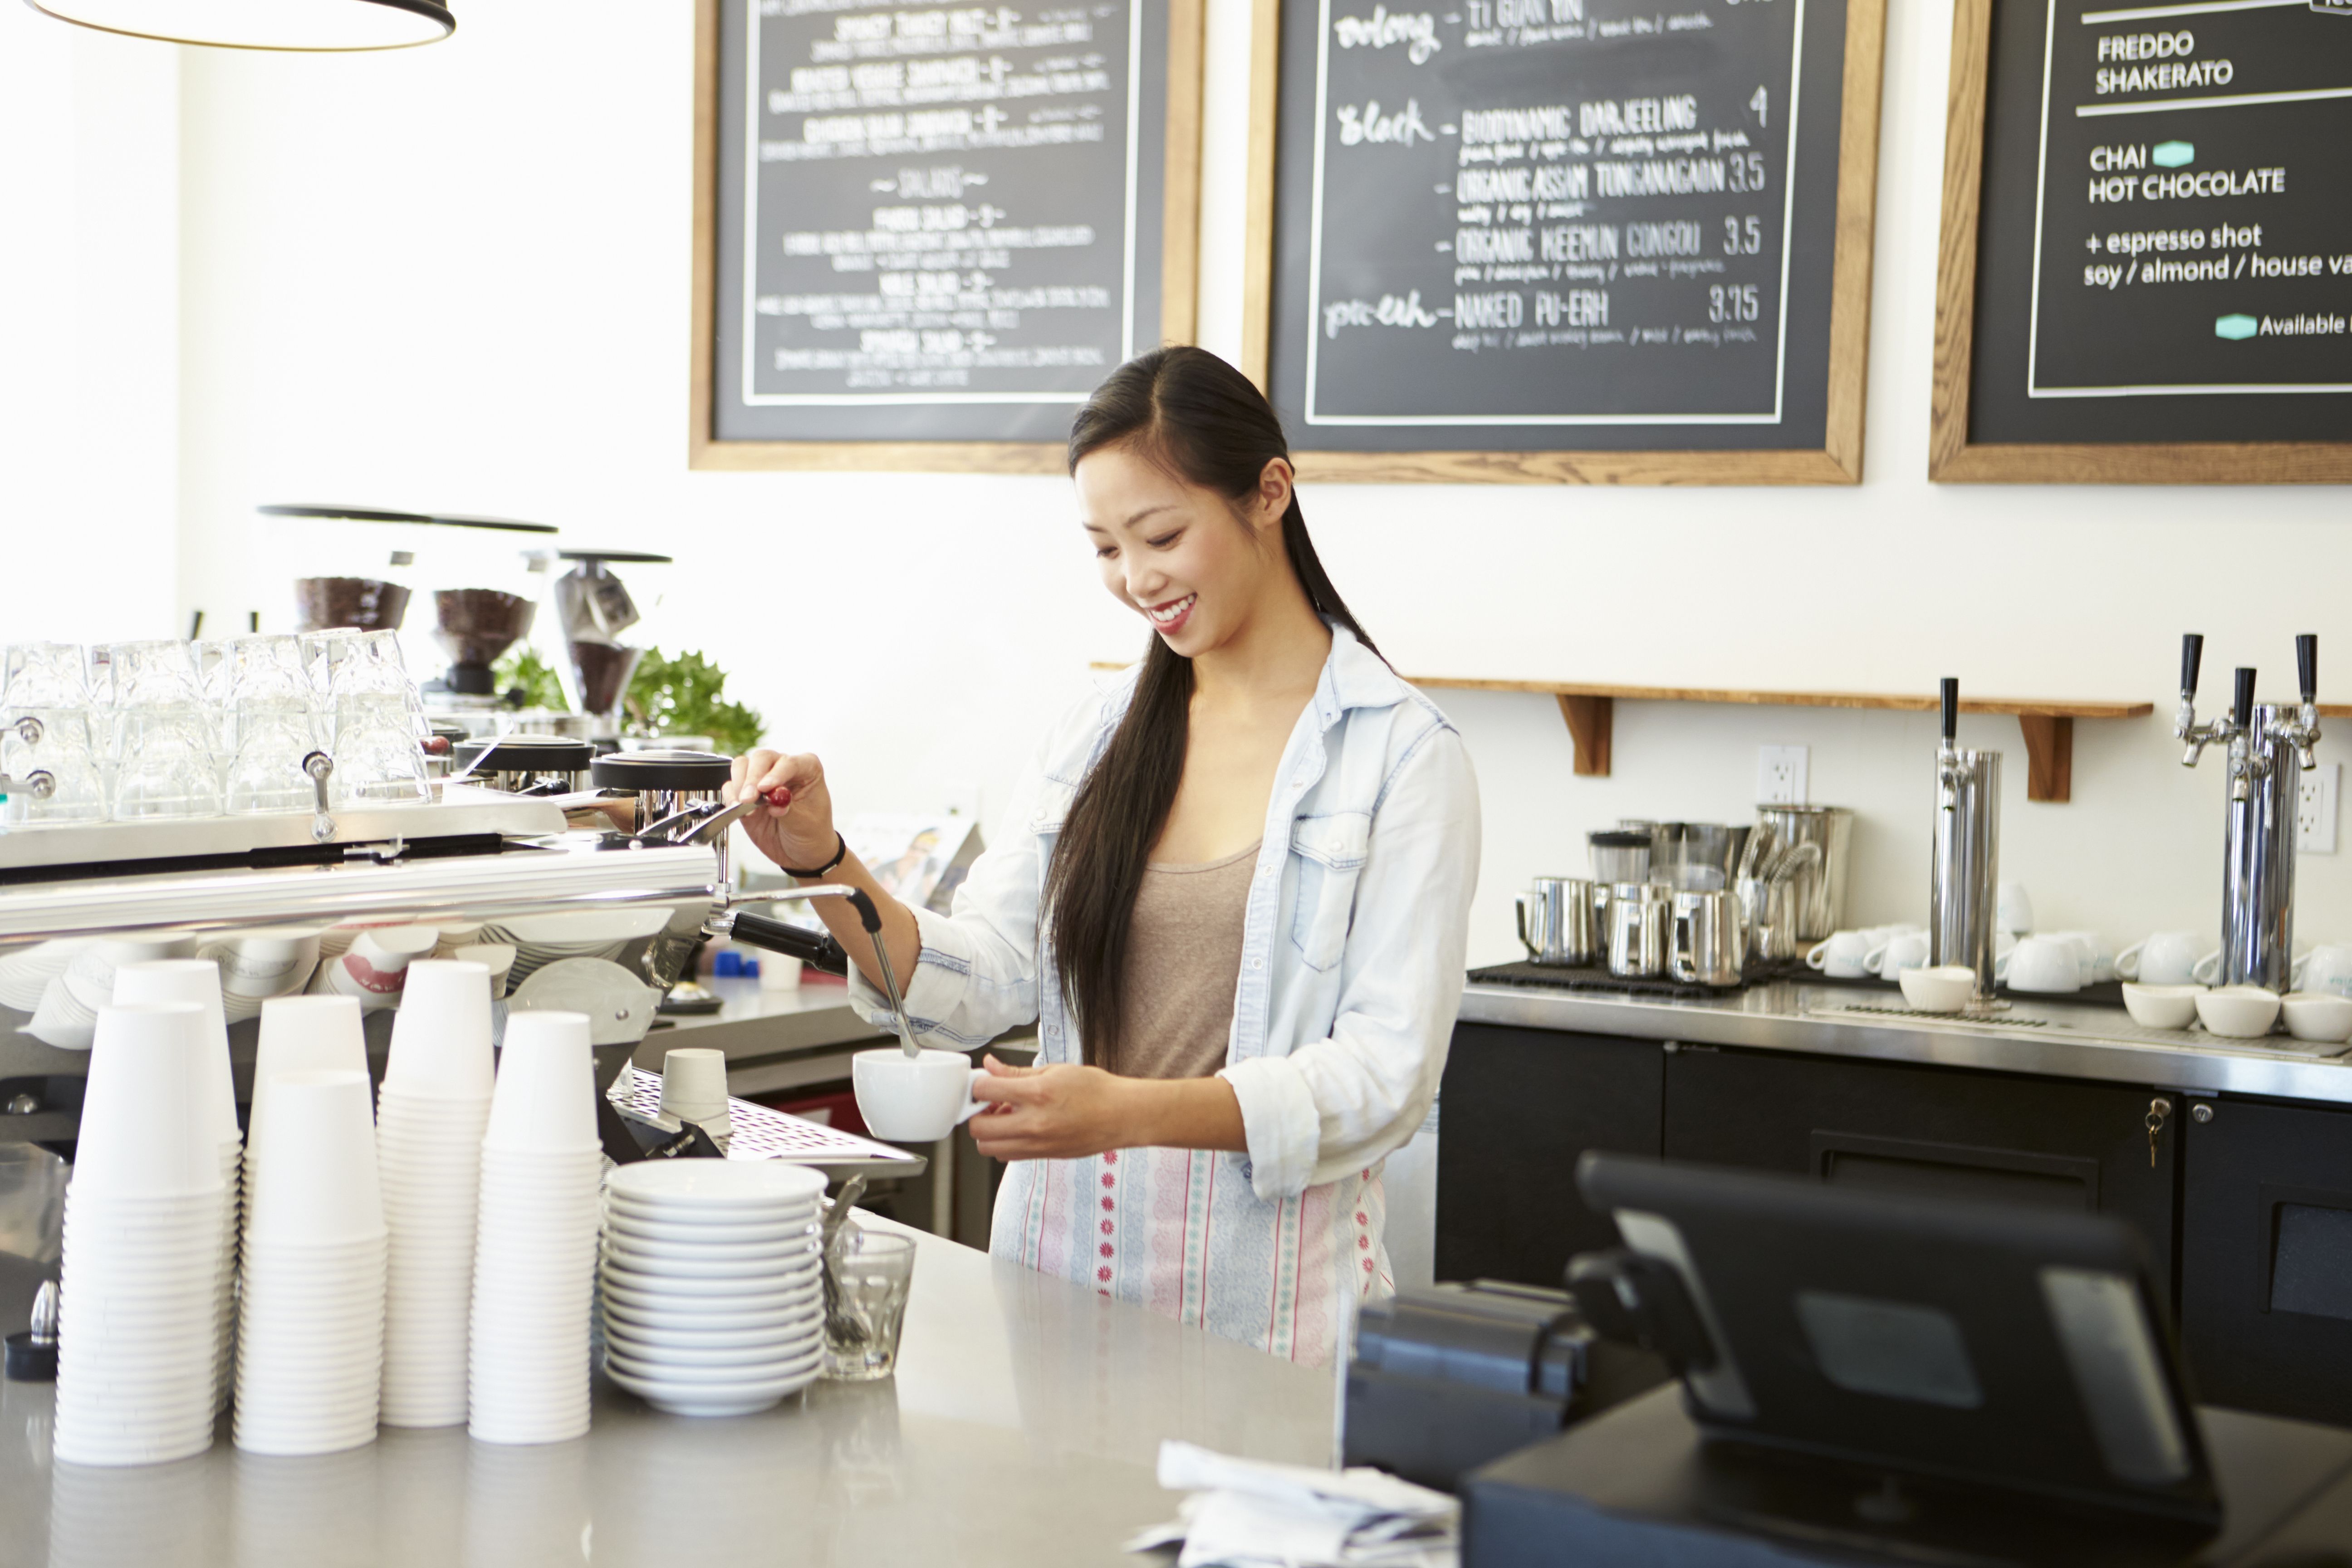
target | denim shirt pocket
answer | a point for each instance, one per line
(1053, 806)
(1329, 852)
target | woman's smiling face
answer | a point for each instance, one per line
(1193, 564)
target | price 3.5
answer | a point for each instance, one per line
(1733, 303)
(1742, 237)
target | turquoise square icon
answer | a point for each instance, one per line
(2173, 154)
(2237, 329)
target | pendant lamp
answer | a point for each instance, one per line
(315, 25)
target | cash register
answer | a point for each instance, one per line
(1857, 1377)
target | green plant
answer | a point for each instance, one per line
(523, 667)
(683, 696)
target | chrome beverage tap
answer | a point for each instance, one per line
(1966, 877)
(2269, 746)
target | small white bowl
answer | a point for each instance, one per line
(2162, 1006)
(2317, 1016)
(1943, 988)
(2238, 1012)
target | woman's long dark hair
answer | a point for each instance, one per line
(1190, 410)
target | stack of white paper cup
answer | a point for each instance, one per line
(430, 1117)
(535, 1256)
(310, 1353)
(198, 981)
(299, 1033)
(142, 1249)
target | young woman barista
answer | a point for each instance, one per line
(1235, 900)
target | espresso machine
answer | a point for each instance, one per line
(2269, 746)
(1965, 875)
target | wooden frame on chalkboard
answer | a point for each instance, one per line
(1952, 457)
(1178, 293)
(1837, 461)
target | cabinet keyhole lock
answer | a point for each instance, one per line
(2200, 1113)
(2158, 1110)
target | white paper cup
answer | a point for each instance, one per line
(303, 1034)
(441, 1038)
(144, 1131)
(545, 1097)
(495, 956)
(315, 1170)
(196, 980)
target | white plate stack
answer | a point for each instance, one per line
(198, 981)
(430, 1117)
(535, 1253)
(310, 1354)
(713, 1303)
(143, 1248)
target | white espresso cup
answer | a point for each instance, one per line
(1904, 949)
(1842, 955)
(2327, 967)
(914, 1099)
(2169, 957)
(2046, 963)
(2098, 962)
(2013, 908)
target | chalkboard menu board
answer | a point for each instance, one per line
(2149, 242)
(926, 231)
(1573, 238)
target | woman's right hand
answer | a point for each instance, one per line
(800, 833)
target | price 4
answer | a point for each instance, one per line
(1733, 303)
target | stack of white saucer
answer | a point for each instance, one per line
(311, 1313)
(198, 981)
(711, 1297)
(430, 1117)
(142, 1249)
(535, 1253)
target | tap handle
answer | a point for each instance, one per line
(1951, 709)
(2192, 654)
(2306, 665)
(2243, 714)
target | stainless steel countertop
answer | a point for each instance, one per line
(1022, 1429)
(2053, 1038)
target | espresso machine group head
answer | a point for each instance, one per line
(2269, 746)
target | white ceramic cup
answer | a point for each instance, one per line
(1945, 988)
(1904, 949)
(2098, 958)
(918, 1100)
(2327, 967)
(2043, 963)
(2169, 958)
(1842, 955)
(2012, 910)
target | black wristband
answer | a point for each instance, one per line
(840, 853)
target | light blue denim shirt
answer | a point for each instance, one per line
(1353, 939)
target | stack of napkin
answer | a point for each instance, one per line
(1245, 1514)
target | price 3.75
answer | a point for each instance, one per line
(1733, 303)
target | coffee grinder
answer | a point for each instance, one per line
(594, 607)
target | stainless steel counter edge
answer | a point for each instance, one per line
(2053, 1039)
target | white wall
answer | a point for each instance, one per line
(89, 333)
(456, 278)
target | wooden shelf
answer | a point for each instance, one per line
(2047, 723)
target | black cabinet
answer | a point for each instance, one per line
(1957, 1132)
(2266, 1258)
(1517, 1109)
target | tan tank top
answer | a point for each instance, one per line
(1183, 961)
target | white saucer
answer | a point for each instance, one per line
(717, 1183)
(628, 1222)
(719, 1375)
(707, 1399)
(691, 1319)
(780, 1268)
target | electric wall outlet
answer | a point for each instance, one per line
(1781, 775)
(2315, 809)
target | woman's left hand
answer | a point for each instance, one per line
(1059, 1112)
